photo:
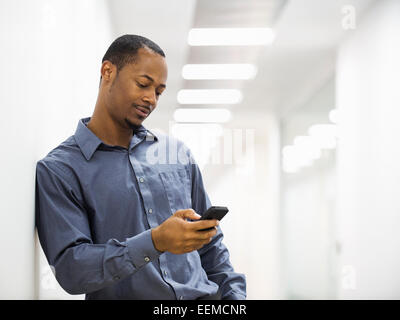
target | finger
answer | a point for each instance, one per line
(204, 224)
(204, 241)
(207, 234)
(187, 214)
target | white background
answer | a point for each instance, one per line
(329, 231)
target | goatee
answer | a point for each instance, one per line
(134, 127)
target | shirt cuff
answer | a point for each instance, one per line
(141, 249)
(235, 296)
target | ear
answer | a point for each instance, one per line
(108, 71)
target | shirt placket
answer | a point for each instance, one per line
(151, 214)
(142, 182)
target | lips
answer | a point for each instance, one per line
(142, 110)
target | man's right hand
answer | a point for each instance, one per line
(177, 235)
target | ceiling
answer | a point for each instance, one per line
(299, 62)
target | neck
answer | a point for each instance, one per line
(108, 130)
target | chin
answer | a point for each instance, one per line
(133, 123)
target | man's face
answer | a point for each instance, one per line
(133, 93)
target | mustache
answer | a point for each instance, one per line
(149, 108)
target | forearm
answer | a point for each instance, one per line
(87, 267)
(216, 263)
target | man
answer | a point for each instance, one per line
(113, 224)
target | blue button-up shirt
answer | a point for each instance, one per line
(96, 205)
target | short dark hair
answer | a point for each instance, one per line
(123, 50)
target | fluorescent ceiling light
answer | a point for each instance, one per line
(323, 129)
(230, 36)
(202, 115)
(209, 96)
(309, 147)
(197, 130)
(306, 149)
(295, 157)
(333, 116)
(219, 71)
(325, 135)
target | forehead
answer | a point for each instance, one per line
(149, 63)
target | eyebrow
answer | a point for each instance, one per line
(151, 79)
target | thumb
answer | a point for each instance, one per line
(187, 214)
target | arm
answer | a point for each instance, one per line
(65, 235)
(214, 255)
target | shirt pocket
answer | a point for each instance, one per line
(177, 187)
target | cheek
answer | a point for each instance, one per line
(129, 94)
(122, 97)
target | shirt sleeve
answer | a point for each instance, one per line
(215, 255)
(62, 221)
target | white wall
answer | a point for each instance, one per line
(49, 80)
(308, 207)
(368, 96)
(308, 232)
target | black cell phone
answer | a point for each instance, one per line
(214, 212)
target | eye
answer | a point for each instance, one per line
(141, 85)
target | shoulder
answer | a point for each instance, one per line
(62, 160)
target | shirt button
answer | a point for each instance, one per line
(141, 179)
(150, 210)
(147, 259)
(181, 298)
(116, 278)
(165, 273)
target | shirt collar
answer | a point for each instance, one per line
(88, 142)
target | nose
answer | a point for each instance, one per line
(150, 98)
